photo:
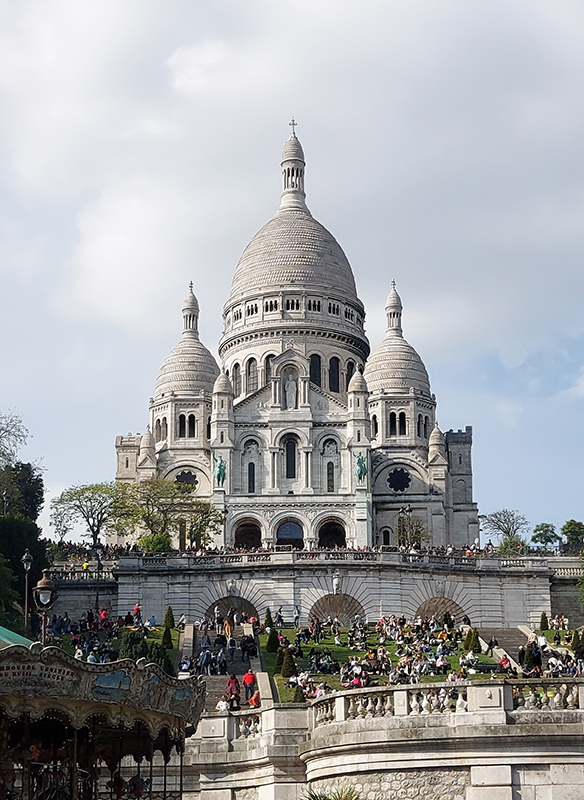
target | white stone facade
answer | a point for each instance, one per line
(323, 444)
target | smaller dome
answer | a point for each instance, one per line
(222, 385)
(191, 303)
(293, 150)
(357, 382)
(436, 437)
(147, 444)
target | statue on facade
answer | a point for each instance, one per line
(361, 468)
(290, 392)
(220, 471)
(337, 579)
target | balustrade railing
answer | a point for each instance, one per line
(80, 574)
(248, 724)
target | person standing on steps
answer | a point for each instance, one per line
(249, 683)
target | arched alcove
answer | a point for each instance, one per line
(438, 606)
(290, 532)
(248, 535)
(342, 606)
(240, 604)
(332, 534)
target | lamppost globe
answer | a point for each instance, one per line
(45, 596)
(26, 560)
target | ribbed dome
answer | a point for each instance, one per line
(357, 382)
(395, 367)
(293, 250)
(190, 367)
(223, 384)
(293, 150)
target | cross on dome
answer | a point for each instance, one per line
(293, 125)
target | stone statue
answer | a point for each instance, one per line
(337, 582)
(290, 391)
(220, 471)
(361, 468)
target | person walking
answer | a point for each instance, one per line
(491, 645)
(249, 683)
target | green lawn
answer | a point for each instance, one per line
(342, 654)
(153, 636)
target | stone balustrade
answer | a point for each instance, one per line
(63, 572)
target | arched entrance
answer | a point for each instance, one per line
(342, 606)
(290, 533)
(240, 604)
(248, 535)
(331, 534)
(438, 606)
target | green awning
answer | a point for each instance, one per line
(9, 637)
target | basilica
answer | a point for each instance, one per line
(298, 433)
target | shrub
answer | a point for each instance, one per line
(576, 641)
(475, 642)
(169, 618)
(288, 665)
(268, 621)
(543, 623)
(299, 695)
(273, 642)
(467, 640)
(279, 661)
(167, 639)
(528, 661)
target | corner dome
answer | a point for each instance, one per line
(395, 367)
(222, 385)
(357, 382)
(190, 368)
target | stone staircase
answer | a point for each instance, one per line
(509, 640)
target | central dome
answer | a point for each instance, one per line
(293, 250)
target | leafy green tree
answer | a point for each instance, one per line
(288, 665)
(273, 642)
(574, 532)
(576, 641)
(91, 504)
(8, 596)
(543, 622)
(411, 530)
(16, 535)
(546, 535)
(279, 661)
(299, 695)
(203, 523)
(167, 639)
(169, 618)
(156, 542)
(13, 436)
(22, 490)
(505, 523)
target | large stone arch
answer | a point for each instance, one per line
(343, 606)
(332, 532)
(240, 604)
(438, 606)
(247, 534)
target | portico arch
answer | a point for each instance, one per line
(248, 535)
(332, 534)
(240, 604)
(438, 606)
(290, 532)
(343, 606)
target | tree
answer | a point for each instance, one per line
(299, 695)
(543, 622)
(22, 489)
(505, 524)
(90, 503)
(279, 661)
(13, 436)
(16, 535)
(574, 532)
(167, 639)
(288, 665)
(545, 534)
(268, 621)
(162, 507)
(203, 523)
(169, 618)
(8, 596)
(411, 530)
(273, 642)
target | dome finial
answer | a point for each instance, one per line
(393, 309)
(191, 313)
(293, 164)
(293, 125)
(191, 287)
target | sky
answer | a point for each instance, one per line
(140, 145)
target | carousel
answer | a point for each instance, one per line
(67, 728)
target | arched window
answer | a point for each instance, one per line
(386, 536)
(330, 476)
(127, 463)
(374, 426)
(157, 431)
(221, 437)
(420, 425)
(392, 424)
(315, 369)
(290, 533)
(402, 423)
(426, 426)
(268, 369)
(251, 483)
(164, 428)
(252, 375)
(236, 380)
(334, 372)
(208, 427)
(290, 453)
(182, 426)
(350, 372)
(191, 430)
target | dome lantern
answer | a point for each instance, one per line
(293, 165)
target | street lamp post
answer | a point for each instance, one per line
(26, 562)
(98, 550)
(45, 596)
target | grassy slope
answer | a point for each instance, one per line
(153, 636)
(341, 654)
